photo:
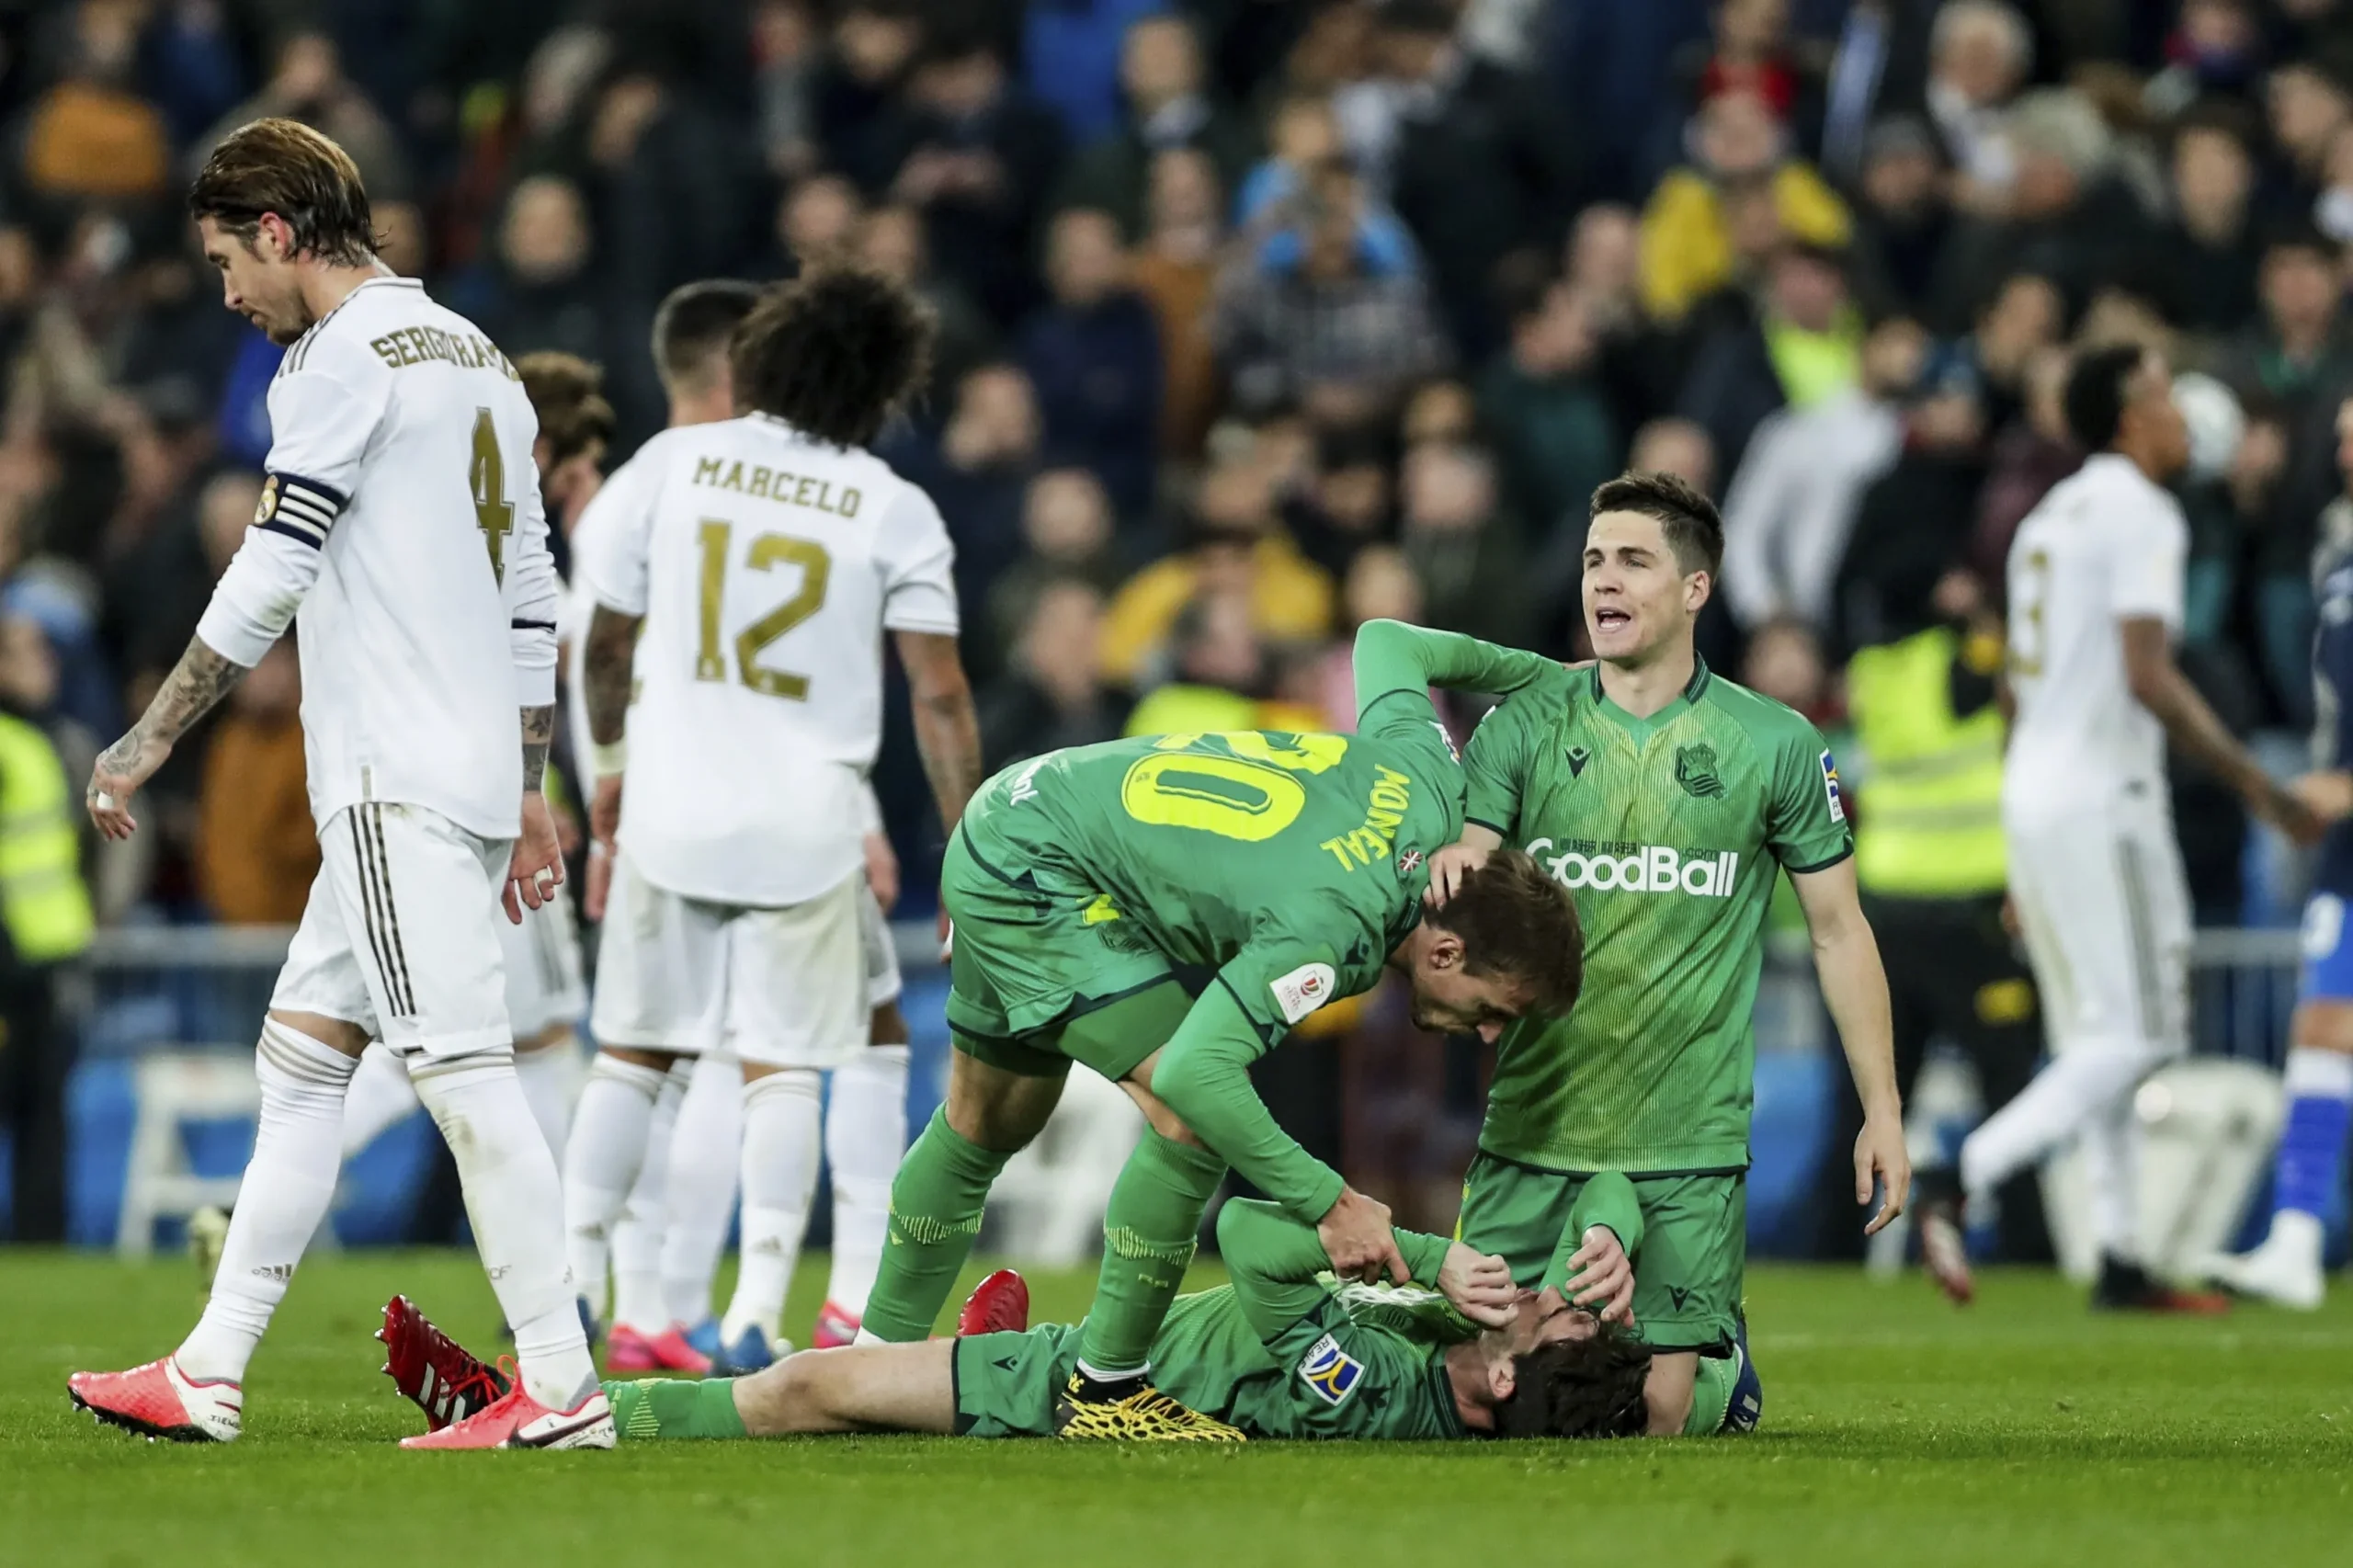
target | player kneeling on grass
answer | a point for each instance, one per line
(1282, 1352)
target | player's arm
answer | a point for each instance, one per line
(321, 420)
(1854, 986)
(1274, 1259)
(1394, 659)
(1593, 1265)
(919, 608)
(2158, 685)
(535, 869)
(613, 558)
(1203, 1076)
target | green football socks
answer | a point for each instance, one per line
(936, 1204)
(1149, 1233)
(1712, 1395)
(650, 1409)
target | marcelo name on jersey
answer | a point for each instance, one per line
(1637, 868)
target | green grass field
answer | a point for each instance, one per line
(1897, 1432)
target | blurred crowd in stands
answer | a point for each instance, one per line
(1258, 318)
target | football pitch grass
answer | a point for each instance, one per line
(1898, 1433)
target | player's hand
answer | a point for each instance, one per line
(121, 768)
(881, 871)
(600, 885)
(1448, 868)
(1881, 1153)
(1357, 1238)
(605, 811)
(2329, 794)
(1479, 1285)
(536, 869)
(1601, 1277)
(2285, 809)
(2012, 927)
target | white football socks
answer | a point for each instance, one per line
(601, 1160)
(551, 1077)
(706, 1156)
(515, 1200)
(866, 1134)
(287, 1185)
(636, 1234)
(379, 1098)
(2111, 1145)
(780, 1117)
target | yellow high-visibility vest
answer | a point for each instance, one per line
(1930, 807)
(42, 898)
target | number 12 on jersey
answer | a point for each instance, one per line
(767, 552)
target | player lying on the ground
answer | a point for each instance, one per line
(1164, 910)
(1281, 1352)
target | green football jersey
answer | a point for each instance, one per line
(1670, 830)
(1289, 866)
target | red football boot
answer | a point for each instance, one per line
(433, 1371)
(160, 1400)
(518, 1421)
(998, 1304)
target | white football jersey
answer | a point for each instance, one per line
(768, 566)
(2105, 546)
(401, 513)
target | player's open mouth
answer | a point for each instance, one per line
(1611, 618)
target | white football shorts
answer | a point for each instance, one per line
(782, 987)
(400, 936)
(2105, 908)
(541, 958)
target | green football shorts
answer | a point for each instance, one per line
(1695, 1247)
(1005, 1383)
(1045, 971)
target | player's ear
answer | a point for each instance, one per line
(1698, 588)
(1445, 949)
(1503, 1378)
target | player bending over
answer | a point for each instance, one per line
(1669, 800)
(1164, 911)
(1283, 1352)
(402, 518)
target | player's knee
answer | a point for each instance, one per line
(2325, 1025)
(659, 1060)
(552, 1038)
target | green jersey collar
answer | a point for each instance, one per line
(1642, 729)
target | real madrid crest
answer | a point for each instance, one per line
(268, 505)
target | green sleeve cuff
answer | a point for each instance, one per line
(1392, 656)
(1607, 1199)
(1424, 1254)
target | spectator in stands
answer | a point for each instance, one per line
(1218, 671)
(978, 471)
(1067, 533)
(892, 241)
(1468, 550)
(1093, 358)
(308, 85)
(1303, 135)
(1167, 109)
(1176, 270)
(1801, 347)
(1793, 501)
(1233, 548)
(1342, 501)
(1688, 247)
(1380, 586)
(1546, 407)
(786, 54)
(1077, 60)
(1052, 693)
(257, 848)
(819, 218)
(1483, 165)
(1979, 54)
(90, 135)
(2307, 103)
(1315, 315)
(2035, 452)
(2201, 272)
(978, 156)
(1749, 50)
(1903, 219)
(543, 294)
(1783, 661)
(2024, 316)
(1915, 521)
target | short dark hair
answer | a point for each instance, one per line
(834, 352)
(1583, 1387)
(694, 324)
(1694, 529)
(284, 167)
(1516, 920)
(568, 394)
(2096, 393)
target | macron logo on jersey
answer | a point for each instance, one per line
(1303, 990)
(1330, 1372)
(1648, 868)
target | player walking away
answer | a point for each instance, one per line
(540, 957)
(1667, 798)
(401, 515)
(2096, 598)
(765, 556)
(1282, 1352)
(2287, 1268)
(1098, 892)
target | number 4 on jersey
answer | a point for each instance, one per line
(493, 511)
